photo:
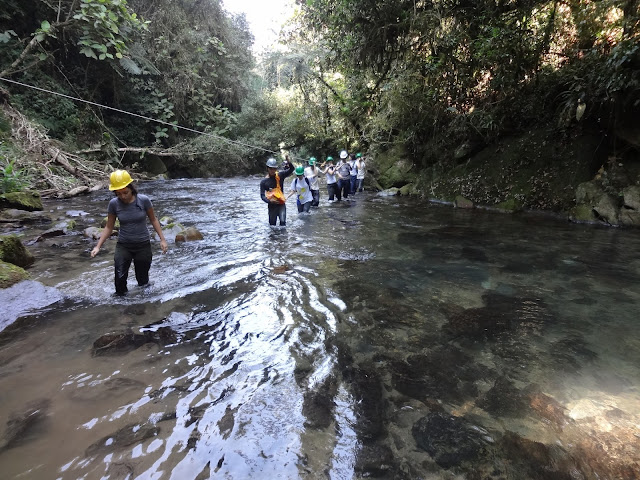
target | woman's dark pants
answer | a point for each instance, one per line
(332, 189)
(316, 197)
(140, 254)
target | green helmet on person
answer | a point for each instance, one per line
(358, 155)
(299, 170)
(329, 159)
(312, 161)
(272, 163)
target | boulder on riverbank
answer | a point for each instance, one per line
(11, 274)
(13, 251)
(27, 200)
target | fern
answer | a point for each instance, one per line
(130, 66)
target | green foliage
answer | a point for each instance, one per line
(12, 178)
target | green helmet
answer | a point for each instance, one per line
(329, 159)
(312, 161)
(358, 155)
(299, 170)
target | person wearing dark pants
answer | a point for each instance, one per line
(344, 176)
(131, 209)
(332, 183)
(271, 191)
(140, 254)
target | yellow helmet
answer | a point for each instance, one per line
(119, 179)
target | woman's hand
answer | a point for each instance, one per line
(95, 251)
(164, 246)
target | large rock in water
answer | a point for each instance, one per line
(10, 275)
(13, 251)
(27, 200)
(589, 195)
(449, 440)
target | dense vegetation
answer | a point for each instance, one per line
(428, 81)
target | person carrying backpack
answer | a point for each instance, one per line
(302, 187)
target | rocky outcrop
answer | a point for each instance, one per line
(189, 234)
(594, 204)
(11, 274)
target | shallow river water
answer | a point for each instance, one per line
(374, 338)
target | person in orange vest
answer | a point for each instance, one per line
(134, 243)
(271, 190)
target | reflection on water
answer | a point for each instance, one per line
(370, 338)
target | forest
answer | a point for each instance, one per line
(498, 100)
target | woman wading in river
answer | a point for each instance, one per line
(134, 243)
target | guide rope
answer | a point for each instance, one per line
(162, 122)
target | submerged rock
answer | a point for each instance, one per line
(318, 404)
(118, 343)
(449, 440)
(126, 436)
(22, 425)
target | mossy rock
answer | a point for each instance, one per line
(511, 206)
(27, 200)
(409, 189)
(582, 213)
(13, 251)
(11, 274)
(116, 225)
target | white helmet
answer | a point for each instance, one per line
(343, 154)
(272, 163)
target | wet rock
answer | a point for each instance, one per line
(614, 454)
(571, 353)
(461, 202)
(11, 275)
(118, 343)
(501, 313)
(13, 215)
(435, 375)
(504, 399)
(547, 407)
(449, 440)
(190, 234)
(60, 229)
(280, 269)
(13, 251)
(374, 460)
(530, 459)
(23, 425)
(25, 200)
(130, 435)
(318, 404)
(92, 232)
(370, 404)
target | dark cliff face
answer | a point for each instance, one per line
(537, 170)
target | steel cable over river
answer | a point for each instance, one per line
(377, 337)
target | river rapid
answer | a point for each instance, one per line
(374, 338)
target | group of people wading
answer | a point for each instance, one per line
(132, 210)
(344, 179)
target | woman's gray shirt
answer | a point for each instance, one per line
(132, 217)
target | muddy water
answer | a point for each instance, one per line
(370, 338)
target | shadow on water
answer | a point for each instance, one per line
(371, 338)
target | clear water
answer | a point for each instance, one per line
(312, 351)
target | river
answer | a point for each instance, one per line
(379, 337)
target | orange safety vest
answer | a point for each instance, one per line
(276, 193)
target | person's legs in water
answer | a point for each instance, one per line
(316, 198)
(282, 214)
(142, 258)
(344, 186)
(330, 191)
(122, 261)
(361, 184)
(352, 184)
(306, 207)
(273, 214)
(299, 205)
